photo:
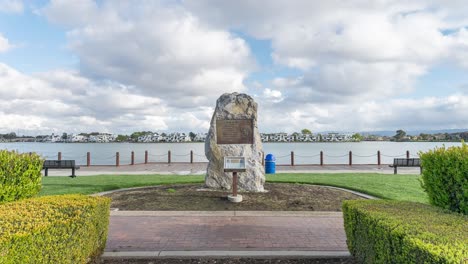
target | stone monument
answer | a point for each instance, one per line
(234, 132)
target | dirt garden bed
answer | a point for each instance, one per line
(191, 197)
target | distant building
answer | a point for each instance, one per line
(177, 137)
(264, 137)
(79, 138)
(102, 138)
(200, 137)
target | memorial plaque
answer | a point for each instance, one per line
(234, 164)
(234, 131)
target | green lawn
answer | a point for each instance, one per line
(101, 183)
(395, 187)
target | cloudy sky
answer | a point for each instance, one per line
(124, 66)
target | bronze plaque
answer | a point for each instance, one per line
(234, 131)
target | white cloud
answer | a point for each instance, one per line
(11, 6)
(64, 101)
(272, 95)
(460, 47)
(4, 44)
(159, 50)
(162, 65)
(348, 49)
(409, 114)
(71, 13)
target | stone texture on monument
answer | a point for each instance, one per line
(229, 107)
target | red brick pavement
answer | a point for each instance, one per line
(153, 233)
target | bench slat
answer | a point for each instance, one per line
(413, 162)
(60, 164)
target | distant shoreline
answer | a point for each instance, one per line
(267, 142)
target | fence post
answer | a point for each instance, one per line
(59, 155)
(191, 156)
(88, 159)
(263, 158)
(133, 158)
(350, 158)
(117, 159)
(292, 158)
(378, 157)
(407, 154)
(321, 158)
(168, 156)
(146, 157)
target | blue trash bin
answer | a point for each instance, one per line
(270, 164)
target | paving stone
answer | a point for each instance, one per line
(157, 233)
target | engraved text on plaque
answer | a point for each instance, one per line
(234, 131)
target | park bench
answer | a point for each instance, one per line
(415, 162)
(60, 164)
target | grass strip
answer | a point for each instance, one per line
(393, 187)
(102, 183)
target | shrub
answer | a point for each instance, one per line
(20, 175)
(445, 177)
(404, 232)
(53, 229)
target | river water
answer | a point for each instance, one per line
(304, 153)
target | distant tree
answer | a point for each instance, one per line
(64, 136)
(134, 136)
(295, 136)
(357, 137)
(400, 134)
(121, 138)
(463, 136)
(192, 136)
(320, 138)
(306, 131)
(446, 136)
(424, 136)
(10, 135)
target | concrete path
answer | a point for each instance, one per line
(163, 233)
(200, 168)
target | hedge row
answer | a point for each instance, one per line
(404, 232)
(20, 175)
(445, 177)
(53, 229)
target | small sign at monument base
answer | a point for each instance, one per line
(234, 165)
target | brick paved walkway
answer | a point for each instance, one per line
(227, 231)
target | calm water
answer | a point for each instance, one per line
(304, 153)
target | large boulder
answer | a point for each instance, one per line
(234, 107)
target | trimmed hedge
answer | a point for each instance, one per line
(445, 177)
(380, 231)
(20, 175)
(53, 229)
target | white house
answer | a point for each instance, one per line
(200, 137)
(79, 138)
